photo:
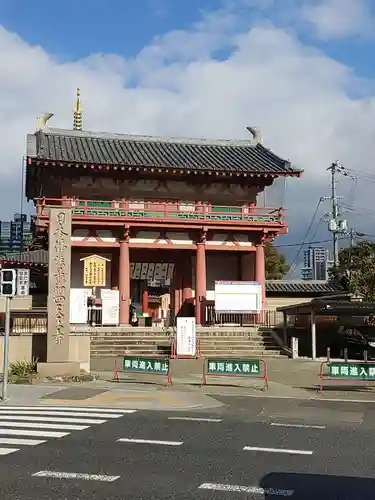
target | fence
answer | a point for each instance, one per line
(25, 322)
(146, 365)
(268, 318)
(346, 372)
(244, 368)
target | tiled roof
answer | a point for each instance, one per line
(33, 257)
(88, 148)
(301, 287)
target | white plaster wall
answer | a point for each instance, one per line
(76, 280)
(272, 303)
(219, 266)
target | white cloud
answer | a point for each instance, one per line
(300, 98)
(339, 18)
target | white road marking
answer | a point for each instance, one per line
(7, 451)
(44, 425)
(194, 419)
(30, 432)
(58, 413)
(75, 475)
(67, 408)
(150, 441)
(298, 426)
(278, 450)
(21, 442)
(255, 490)
(27, 418)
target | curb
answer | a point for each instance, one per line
(264, 396)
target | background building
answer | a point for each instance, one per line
(317, 263)
(14, 235)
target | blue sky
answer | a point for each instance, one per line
(301, 70)
(75, 29)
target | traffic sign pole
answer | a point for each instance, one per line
(4, 391)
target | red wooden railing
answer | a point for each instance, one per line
(161, 210)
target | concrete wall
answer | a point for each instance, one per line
(27, 347)
(17, 303)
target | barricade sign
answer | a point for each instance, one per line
(247, 368)
(342, 371)
(152, 365)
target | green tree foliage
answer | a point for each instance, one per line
(356, 270)
(276, 266)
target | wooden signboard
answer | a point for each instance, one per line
(94, 270)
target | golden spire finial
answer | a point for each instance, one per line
(77, 115)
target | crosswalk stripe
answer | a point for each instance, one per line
(69, 408)
(21, 442)
(27, 418)
(150, 441)
(7, 451)
(60, 413)
(75, 475)
(44, 425)
(32, 425)
(32, 433)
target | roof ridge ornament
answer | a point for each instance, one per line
(257, 135)
(41, 123)
(77, 114)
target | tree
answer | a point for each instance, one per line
(275, 263)
(356, 270)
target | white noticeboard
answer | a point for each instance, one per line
(23, 281)
(110, 307)
(186, 337)
(238, 297)
(78, 305)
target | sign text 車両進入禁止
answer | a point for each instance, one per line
(234, 367)
(361, 371)
(145, 365)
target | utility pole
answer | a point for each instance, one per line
(335, 211)
(335, 225)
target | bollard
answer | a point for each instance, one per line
(346, 354)
(328, 354)
(365, 356)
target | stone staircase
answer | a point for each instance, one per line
(214, 342)
(237, 342)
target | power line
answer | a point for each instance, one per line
(358, 235)
(291, 268)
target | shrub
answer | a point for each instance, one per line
(23, 368)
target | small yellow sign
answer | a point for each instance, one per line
(94, 270)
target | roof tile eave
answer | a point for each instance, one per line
(238, 157)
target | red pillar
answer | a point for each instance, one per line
(145, 300)
(124, 280)
(260, 271)
(115, 269)
(200, 283)
(187, 281)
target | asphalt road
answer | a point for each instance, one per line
(250, 449)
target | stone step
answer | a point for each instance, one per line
(114, 354)
(205, 338)
(150, 332)
(129, 341)
(233, 354)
